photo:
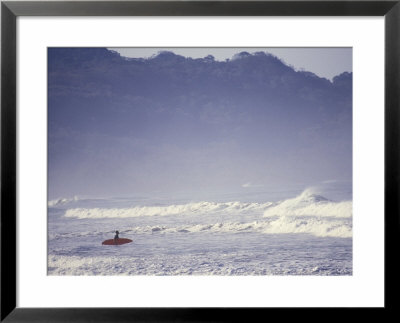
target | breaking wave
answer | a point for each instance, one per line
(190, 208)
(322, 227)
(308, 213)
(310, 204)
(62, 201)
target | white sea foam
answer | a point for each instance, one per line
(190, 208)
(322, 227)
(209, 263)
(183, 264)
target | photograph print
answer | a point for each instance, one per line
(200, 161)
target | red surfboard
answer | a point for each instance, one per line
(117, 242)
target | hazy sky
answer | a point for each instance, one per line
(168, 124)
(325, 61)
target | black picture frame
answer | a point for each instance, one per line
(10, 10)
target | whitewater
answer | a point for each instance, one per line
(307, 234)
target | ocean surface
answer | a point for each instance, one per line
(263, 233)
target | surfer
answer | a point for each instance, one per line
(116, 241)
(116, 237)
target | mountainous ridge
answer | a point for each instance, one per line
(250, 118)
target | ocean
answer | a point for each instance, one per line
(262, 233)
